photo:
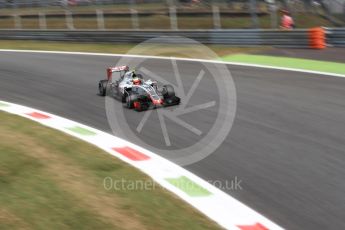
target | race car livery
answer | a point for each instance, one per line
(132, 90)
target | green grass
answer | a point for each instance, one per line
(49, 180)
(167, 50)
(296, 63)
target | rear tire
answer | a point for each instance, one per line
(102, 87)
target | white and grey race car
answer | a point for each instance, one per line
(134, 91)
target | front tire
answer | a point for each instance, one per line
(168, 91)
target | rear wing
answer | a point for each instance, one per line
(111, 70)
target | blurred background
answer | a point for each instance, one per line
(167, 14)
(287, 143)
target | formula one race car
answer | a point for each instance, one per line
(134, 91)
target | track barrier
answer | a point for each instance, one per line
(317, 38)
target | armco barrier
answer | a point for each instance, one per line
(242, 37)
(336, 37)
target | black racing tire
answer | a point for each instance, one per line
(172, 101)
(124, 95)
(130, 99)
(168, 91)
(102, 88)
(123, 98)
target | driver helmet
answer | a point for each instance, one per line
(136, 81)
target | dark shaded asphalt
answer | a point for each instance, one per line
(287, 143)
(329, 54)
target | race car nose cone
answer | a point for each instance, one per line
(157, 102)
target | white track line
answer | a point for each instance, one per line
(176, 58)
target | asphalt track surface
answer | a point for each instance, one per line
(286, 145)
